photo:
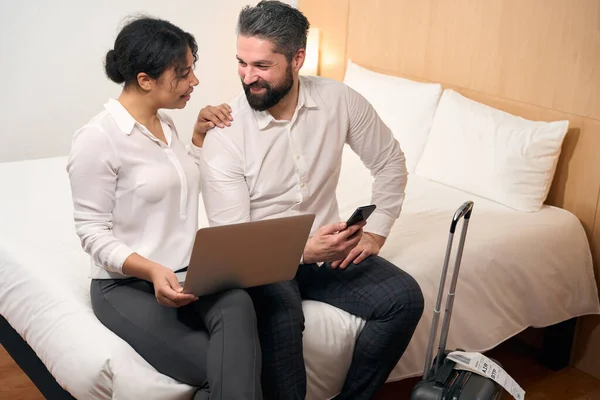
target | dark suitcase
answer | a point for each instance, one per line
(440, 380)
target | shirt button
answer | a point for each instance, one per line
(297, 157)
(302, 185)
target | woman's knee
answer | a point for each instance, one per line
(233, 305)
(237, 299)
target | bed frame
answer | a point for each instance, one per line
(534, 58)
(29, 362)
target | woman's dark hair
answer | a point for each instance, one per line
(148, 45)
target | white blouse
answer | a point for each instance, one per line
(132, 192)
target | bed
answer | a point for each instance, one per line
(519, 270)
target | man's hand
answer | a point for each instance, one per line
(167, 289)
(369, 244)
(208, 118)
(332, 242)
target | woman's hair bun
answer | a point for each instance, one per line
(111, 68)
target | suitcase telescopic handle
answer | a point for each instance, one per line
(464, 212)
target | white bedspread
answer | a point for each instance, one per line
(518, 270)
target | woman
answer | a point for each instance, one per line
(135, 192)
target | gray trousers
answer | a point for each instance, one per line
(211, 344)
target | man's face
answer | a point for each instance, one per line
(267, 77)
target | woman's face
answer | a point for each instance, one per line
(173, 90)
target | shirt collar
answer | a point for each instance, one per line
(124, 120)
(264, 118)
(305, 97)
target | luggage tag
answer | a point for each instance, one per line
(480, 364)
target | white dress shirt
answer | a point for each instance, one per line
(262, 168)
(132, 192)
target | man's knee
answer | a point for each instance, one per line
(404, 298)
(413, 297)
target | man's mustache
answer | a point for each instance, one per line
(257, 85)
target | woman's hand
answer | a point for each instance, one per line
(208, 118)
(167, 289)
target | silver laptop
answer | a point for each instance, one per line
(247, 254)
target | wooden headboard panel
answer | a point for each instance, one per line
(539, 59)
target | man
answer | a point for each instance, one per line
(280, 156)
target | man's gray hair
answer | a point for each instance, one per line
(278, 22)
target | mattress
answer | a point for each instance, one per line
(518, 270)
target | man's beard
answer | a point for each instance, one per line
(272, 94)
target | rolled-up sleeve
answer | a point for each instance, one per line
(375, 144)
(93, 168)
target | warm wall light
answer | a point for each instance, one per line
(311, 62)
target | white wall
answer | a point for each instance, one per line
(52, 74)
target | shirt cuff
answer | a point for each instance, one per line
(319, 263)
(117, 258)
(195, 150)
(379, 224)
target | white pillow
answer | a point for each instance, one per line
(491, 153)
(405, 106)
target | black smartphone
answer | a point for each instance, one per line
(360, 214)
